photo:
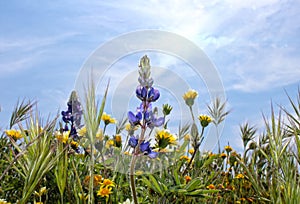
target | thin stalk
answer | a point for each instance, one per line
(191, 110)
(132, 165)
(197, 145)
(91, 184)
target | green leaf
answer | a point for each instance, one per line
(192, 185)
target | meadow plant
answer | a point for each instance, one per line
(74, 158)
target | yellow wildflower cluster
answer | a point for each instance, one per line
(105, 188)
(164, 138)
(15, 134)
(82, 131)
(108, 119)
(240, 176)
(62, 137)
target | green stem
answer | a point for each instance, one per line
(132, 165)
(91, 184)
(191, 110)
(197, 145)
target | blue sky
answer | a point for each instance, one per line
(254, 45)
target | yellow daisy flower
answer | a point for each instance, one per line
(108, 119)
(104, 191)
(15, 134)
(190, 96)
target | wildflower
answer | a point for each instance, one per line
(187, 179)
(228, 148)
(108, 183)
(97, 179)
(240, 176)
(139, 172)
(134, 119)
(223, 155)
(187, 137)
(74, 145)
(141, 92)
(99, 134)
(15, 134)
(108, 119)
(167, 109)
(104, 192)
(190, 96)
(164, 138)
(82, 131)
(109, 143)
(118, 140)
(62, 137)
(127, 153)
(133, 141)
(211, 186)
(184, 157)
(191, 151)
(153, 95)
(204, 120)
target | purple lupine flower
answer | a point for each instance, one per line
(145, 146)
(141, 92)
(153, 94)
(66, 116)
(73, 134)
(133, 141)
(134, 119)
(152, 154)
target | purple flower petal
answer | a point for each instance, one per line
(152, 154)
(133, 141)
(145, 146)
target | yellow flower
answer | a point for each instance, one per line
(164, 138)
(184, 157)
(74, 145)
(2, 201)
(99, 134)
(187, 179)
(109, 143)
(190, 96)
(240, 176)
(211, 186)
(108, 183)
(204, 120)
(228, 148)
(108, 119)
(118, 140)
(191, 151)
(129, 127)
(15, 134)
(187, 137)
(82, 131)
(139, 172)
(104, 192)
(97, 179)
(127, 153)
(62, 137)
(223, 155)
